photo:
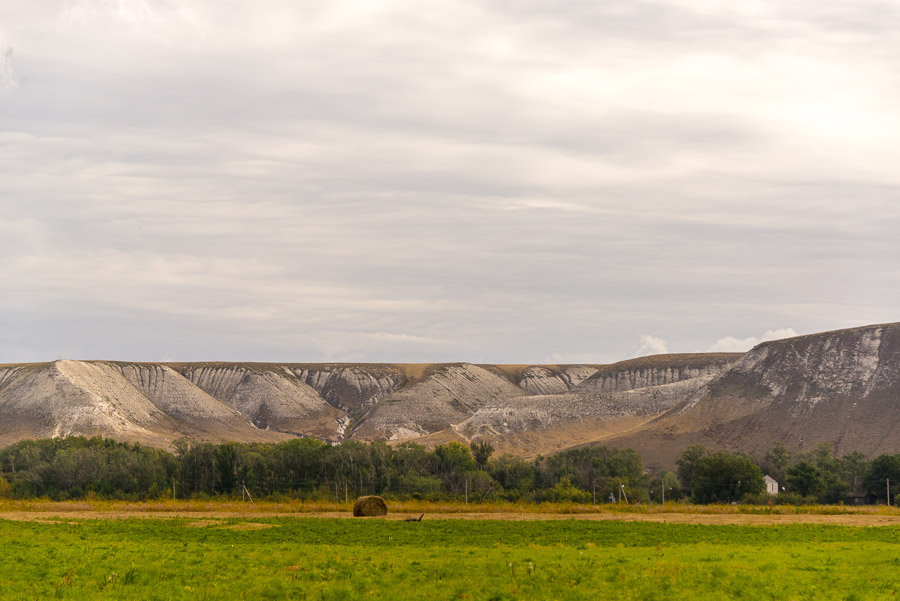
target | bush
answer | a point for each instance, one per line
(563, 491)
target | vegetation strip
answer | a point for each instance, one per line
(307, 468)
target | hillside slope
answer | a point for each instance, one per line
(610, 400)
(447, 394)
(75, 397)
(199, 414)
(271, 397)
(841, 388)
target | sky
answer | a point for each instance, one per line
(391, 181)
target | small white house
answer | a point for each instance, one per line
(771, 485)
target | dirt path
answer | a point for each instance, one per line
(680, 518)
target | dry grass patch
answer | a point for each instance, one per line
(200, 524)
(248, 526)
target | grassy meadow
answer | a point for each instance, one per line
(320, 558)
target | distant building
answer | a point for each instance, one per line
(771, 485)
(861, 498)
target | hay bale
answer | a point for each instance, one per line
(369, 506)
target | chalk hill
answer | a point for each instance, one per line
(841, 388)
(66, 398)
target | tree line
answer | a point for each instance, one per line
(78, 467)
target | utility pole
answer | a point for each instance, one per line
(623, 493)
(467, 491)
(594, 491)
(889, 491)
(173, 488)
(664, 493)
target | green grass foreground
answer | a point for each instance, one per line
(316, 558)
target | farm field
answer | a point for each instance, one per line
(326, 558)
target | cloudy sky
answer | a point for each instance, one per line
(381, 180)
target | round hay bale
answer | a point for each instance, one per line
(369, 506)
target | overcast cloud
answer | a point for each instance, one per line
(514, 182)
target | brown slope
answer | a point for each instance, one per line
(841, 388)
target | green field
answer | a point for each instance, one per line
(315, 558)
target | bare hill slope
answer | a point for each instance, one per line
(840, 388)
(447, 394)
(146, 403)
(542, 424)
(76, 397)
(199, 414)
(609, 400)
(156, 403)
(271, 397)
(352, 388)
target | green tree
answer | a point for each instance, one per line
(854, 468)
(672, 485)
(884, 468)
(687, 466)
(481, 451)
(451, 462)
(776, 462)
(598, 470)
(725, 477)
(806, 480)
(515, 476)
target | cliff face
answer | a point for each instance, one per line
(656, 371)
